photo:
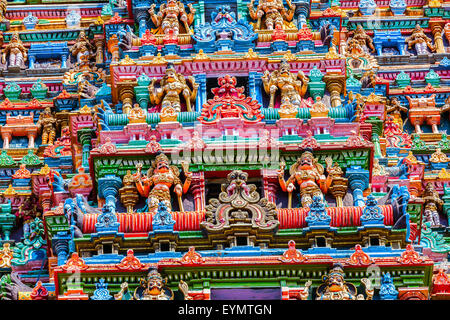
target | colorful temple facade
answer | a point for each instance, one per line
(262, 149)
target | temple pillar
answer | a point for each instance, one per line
(436, 28)
(84, 137)
(270, 182)
(335, 84)
(108, 188)
(99, 57)
(60, 243)
(201, 93)
(142, 17)
(254, 85)
(126, 96)
(358, 180)
(198, 190)
(301, 12)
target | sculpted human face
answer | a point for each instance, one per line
(162, 166)
(154, 286)
(171, 75)
(335, 283)
(306, 162)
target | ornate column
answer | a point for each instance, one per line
(199, 17)
(108, 188)
(60, 243)
(254, 85)
(358, 180)
(142, 17)
(84, 137)
(301, 12)
(198, 190)
(270, 181)
(126, 95)
(436, 28)
(201, 95)
(335, 84)
(99, 58)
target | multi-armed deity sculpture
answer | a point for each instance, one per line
(420, 41)
(172, 16)
(82, 47)
(171, 86)
(14, 53)
(271, 13)
(160, 178)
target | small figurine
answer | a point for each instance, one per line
(292, 87)
(82, 47)
(15, 51)
(160, 177)
(273, 11)
(360, 40)
(419, 40)
(395, 109)
(47, 122)
(172, 85)
(432, 202)
(171, 15)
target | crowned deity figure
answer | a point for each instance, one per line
(82, 47)
(47, 122)
(336, 288)
(153, 288)
(309, 175)
(160, 178)
(292, 87)
(360, 41)
(15, 51)
(171, 15)
(171, 86)
(432, 202)
(420, 41)
(273, 11)
(395, 109)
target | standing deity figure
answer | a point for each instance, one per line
(160, 178)
(432, 202)
(420, 41)
(395, 109)
(47, 122)
(82, 47)
(171, 86)
(273, 11)
(171, 15)
(154, 288)
(16, 52)
(336, 288)
(309, 175)
(361, 38)
(292, 87)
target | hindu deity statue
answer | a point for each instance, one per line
(171, 86)
(47, 122)
(432, 202)
(171, 15)
(153, 288)
(360, 41)
(160, 178)
(336, 288)
(292, 87)
(395, 109)
(309, 175)
(420, 41)
(15, 51)
(27, 211)
(82, 47)
(272, 11)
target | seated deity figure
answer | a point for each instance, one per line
(309, 175)
(171, 86)
(432, 202)
(292, 87)
(395, 109)
(361, 38)
(153, 288)
(419, 40)
(171, 15)
(47, 122)
(273, 11)
(82, 47)
(160, 178)
(336, 288)
(16, 52)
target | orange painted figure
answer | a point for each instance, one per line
(309, 175)
(160, 178)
